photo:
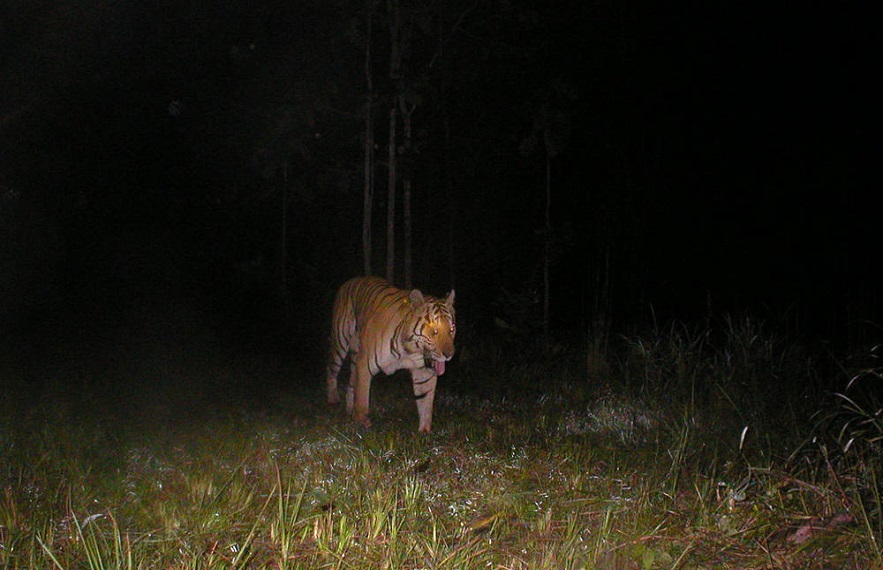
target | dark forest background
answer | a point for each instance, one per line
(702, 158)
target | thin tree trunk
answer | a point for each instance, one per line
(368, 192)
(394, 12)
(406, 204)
(283, 237)
(283, 262)
(406, 189)
(282, 284)
(451, 199)
(391, 199)
(546, 247)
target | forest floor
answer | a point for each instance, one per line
(538, 463)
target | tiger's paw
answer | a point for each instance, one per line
(333, 397)
(362, 421)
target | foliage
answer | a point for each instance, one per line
(845, 444)
(735, 374)
(532, 469)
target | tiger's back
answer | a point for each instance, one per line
(384, 328)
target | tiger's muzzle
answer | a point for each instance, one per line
(437, 361)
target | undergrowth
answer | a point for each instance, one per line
(699, 448)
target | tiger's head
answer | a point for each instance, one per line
(434, 327)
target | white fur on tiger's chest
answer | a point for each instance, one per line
(406, 361)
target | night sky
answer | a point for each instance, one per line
(705, 156)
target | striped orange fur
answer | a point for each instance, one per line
(383, 329)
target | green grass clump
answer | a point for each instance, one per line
(672, 461)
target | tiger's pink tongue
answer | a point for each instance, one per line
(439, 367)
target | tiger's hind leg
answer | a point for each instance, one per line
(424, 381)
(335, 363)
(358, 391)
(334, 366)
(343, 341)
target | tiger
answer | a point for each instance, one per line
(384, 328)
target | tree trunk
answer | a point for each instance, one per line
(394, 10)
(368, 191)
(546, 247)
(391, 200)
(282, 283)
(406, 205)
(449, 183)
(283, 234)
(406, 188)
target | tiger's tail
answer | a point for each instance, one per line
(343, 324)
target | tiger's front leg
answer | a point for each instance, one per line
(333, 395)
(424, 381)
(358, 391)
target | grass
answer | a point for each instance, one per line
(702, 449)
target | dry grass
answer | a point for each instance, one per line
(534, 470)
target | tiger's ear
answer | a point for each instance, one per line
(416, 299)
(450, 300)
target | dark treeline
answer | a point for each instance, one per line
(187, 148)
